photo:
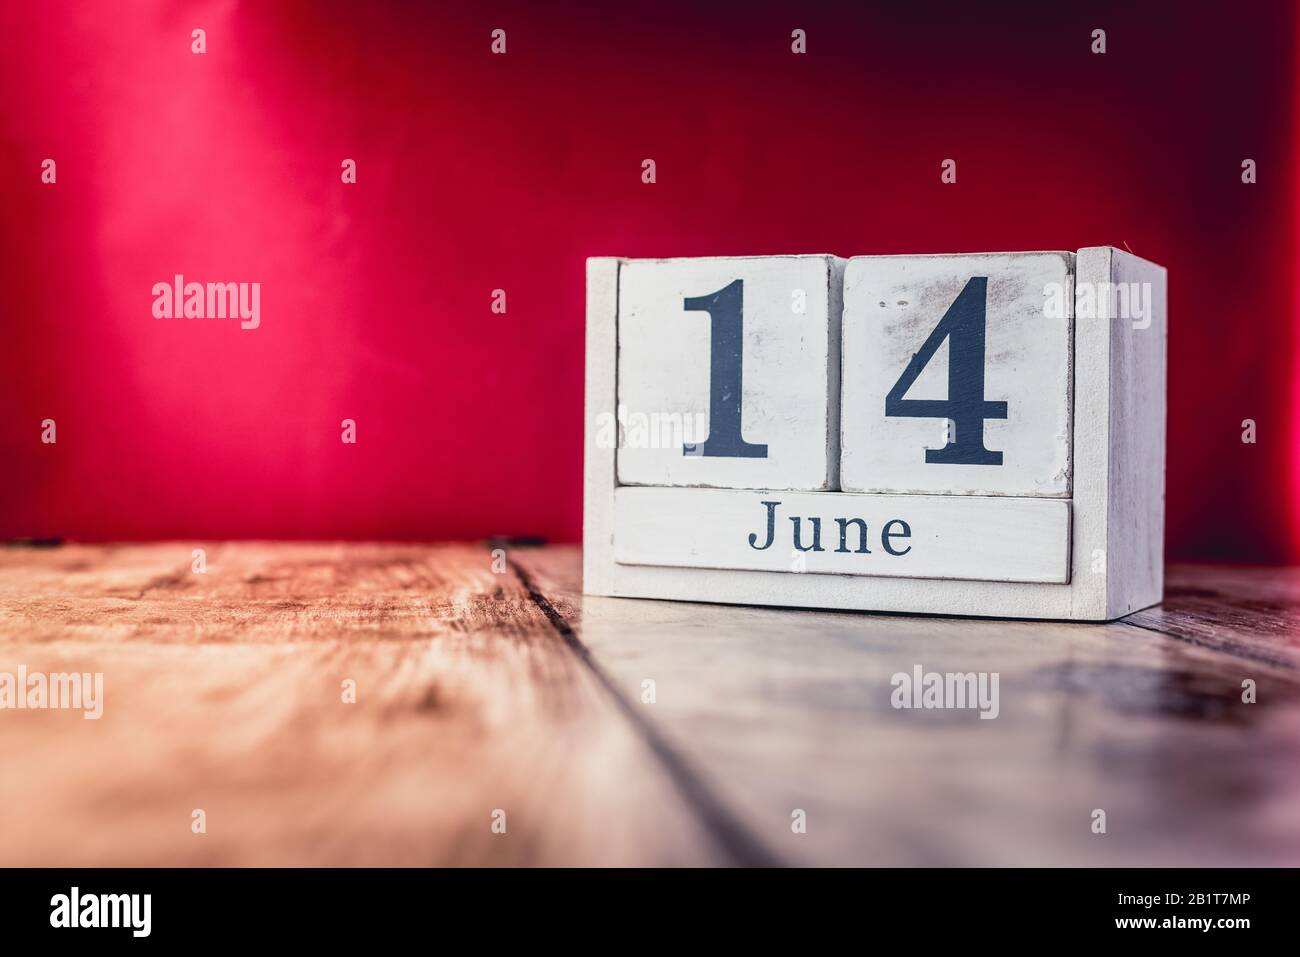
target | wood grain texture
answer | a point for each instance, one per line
(781, 710)
(479, 691)
(223, 692)
(1249, 614)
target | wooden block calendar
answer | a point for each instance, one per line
(973, 434)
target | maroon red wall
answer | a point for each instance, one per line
(478, 172)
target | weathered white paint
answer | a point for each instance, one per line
(1119, 491)
(891, 306)
(906, 536)
(1116, 504)
(790, 390)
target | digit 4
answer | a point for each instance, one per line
(963, 325)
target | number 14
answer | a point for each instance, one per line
(963, 326)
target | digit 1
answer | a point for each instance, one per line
(726, 342)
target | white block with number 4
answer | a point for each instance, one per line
(957, 374)
(728, 372)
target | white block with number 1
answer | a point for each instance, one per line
(728, 372)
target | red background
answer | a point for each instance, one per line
(478, 171)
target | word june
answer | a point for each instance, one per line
(214, 300)
(893, 529)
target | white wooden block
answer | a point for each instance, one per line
(1120, 355)
(728, 372)
(680, 542)
(957, 374)
(896, 536)
(598, 470)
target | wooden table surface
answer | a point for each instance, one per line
(480, 692)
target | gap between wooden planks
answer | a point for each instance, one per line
(479, 691)
(784, 710)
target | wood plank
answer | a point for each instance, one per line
(1121, 311)
(1251, 614)
(223, 692)
(600, 403)
(779, 710)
